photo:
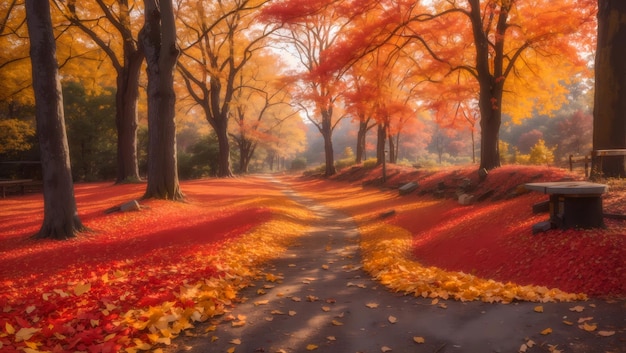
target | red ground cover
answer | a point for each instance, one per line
(492, 239)
(146, 254)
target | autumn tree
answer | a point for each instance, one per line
(158, 42)
(609, 114)
(219, 40)
(311, 34)
(110, 26)
(61, 219)
(261, 105)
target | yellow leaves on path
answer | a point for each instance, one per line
(311, 347)
(386, 257)
(546, 331)
(238, 260)
(418, 339)
(538, 309)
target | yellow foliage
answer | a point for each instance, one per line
(386, 256)
(238, 261)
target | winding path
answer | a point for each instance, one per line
(324, 302)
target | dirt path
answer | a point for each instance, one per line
(322, 301)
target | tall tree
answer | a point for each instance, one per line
(104, 23)
(158, 41)
(61, 219)
(311, 33)
(609, 112)
(220, 39)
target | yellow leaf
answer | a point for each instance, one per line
(238, 323)
(230, 350)
(30, 309)
(577, 308)
(25, 334)
(32, 345)
(9, 328)
(385, 349)
(418, 339)
(325, 267)
(539, 309)
(214, 338)
(80, 289)
(277, 312)
(336, 323)
(434, 301)
(235, 341)
(587, 327)
(211, 328)
(326, 308)
(296, 299)
(392, 319)
(606, 333)
(568, 322)
(261, 302)
(523, 348)
(371, 305)
(109, 337)
(333, 338)
(311, 347)
(292, 313)
(546, 331)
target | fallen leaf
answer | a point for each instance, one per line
(325, 267)
(336, 323)
(261, 302)
(277, 312)
(385, 349)
(392, 319)
(331, 338)
(523, 348)
(577, 308)
(553, 349)
(539, 309)
(372, 305)
(236, 341)
(24, 334)
(569, 323)
(292, 313)
(81, 289)
(296, 299)
(311, 347)
(606, 333)
(269, 318)
(9, 328)
(326, 308)
(588, 327)
(546, 331)
(583, 319)
(311, 298)
(230, 350)
(418, 339)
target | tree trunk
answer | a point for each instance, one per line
(361, 138)
(126, 115)
(223, 157)
(158, 39)
(381, 141)
(327, 133)
(490, 96)
(61, 219)
(393, 158)
(609, 112)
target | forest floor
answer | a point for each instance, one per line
(140, 279)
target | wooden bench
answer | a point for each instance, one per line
(580, 159)
(21, 185)
(600, 154)
(572, 204)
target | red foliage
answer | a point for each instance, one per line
(131, 260)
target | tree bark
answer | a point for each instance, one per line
(361, 139)
(491, 89)
(327, 134)
(126, 115)
(381, 142)
(223, 157)
(158, 39)
(609, 112)
(61, 219)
